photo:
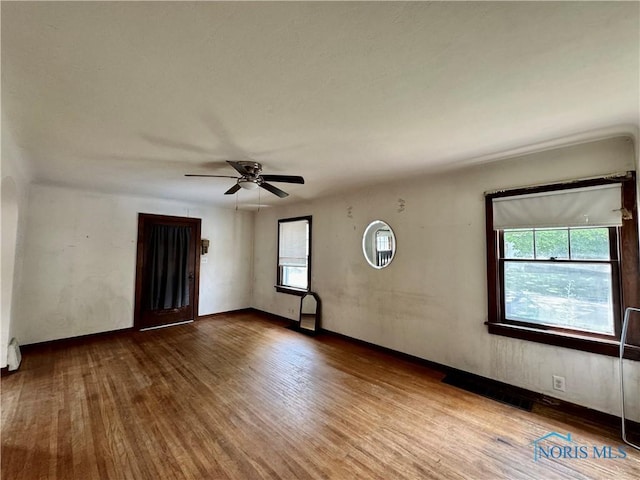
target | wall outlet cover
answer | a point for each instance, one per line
(558, 383)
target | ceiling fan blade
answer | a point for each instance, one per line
(274, 190)
(283, 178)
(215, 176)
(232, 190)
(239, 167)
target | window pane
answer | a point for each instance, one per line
(552, 243)
(574, 296)
(518, 244)
(383, 241)
(590, 243)
(294, 277)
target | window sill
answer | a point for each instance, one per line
(291, 290)
(573, 341)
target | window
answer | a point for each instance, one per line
(294, 253)
(383, 241)
(563, 263)
(384, 250)
(563, 277)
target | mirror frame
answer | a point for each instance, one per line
(364, 244)
(316, 324)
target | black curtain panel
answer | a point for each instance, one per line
(169, 267)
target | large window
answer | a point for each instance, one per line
(294, 253)
(562, 277)
(563, 263)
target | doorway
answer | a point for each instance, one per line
(167, 270)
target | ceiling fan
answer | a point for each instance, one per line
(251, 178)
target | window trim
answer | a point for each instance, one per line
(627, 278)
(285, 288)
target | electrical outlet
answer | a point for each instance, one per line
(558, 383)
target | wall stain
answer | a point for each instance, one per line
(401, 205)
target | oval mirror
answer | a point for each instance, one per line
(379, 244)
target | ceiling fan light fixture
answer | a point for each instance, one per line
(248, 184)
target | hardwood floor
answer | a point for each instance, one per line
(241, 397)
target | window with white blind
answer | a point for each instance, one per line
(563, 262)
(294, 253)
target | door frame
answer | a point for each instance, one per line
(143, 218)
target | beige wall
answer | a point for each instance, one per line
(431, 301)
(80, 261)
(15, 186)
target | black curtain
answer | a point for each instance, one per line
(169, 267)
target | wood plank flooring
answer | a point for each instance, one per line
(241, 397)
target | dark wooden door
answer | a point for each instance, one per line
(148, 311)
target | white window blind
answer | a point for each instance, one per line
(294, 243)
(577, 207)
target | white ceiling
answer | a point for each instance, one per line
(128, 97)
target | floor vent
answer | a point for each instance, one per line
(489, 389)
